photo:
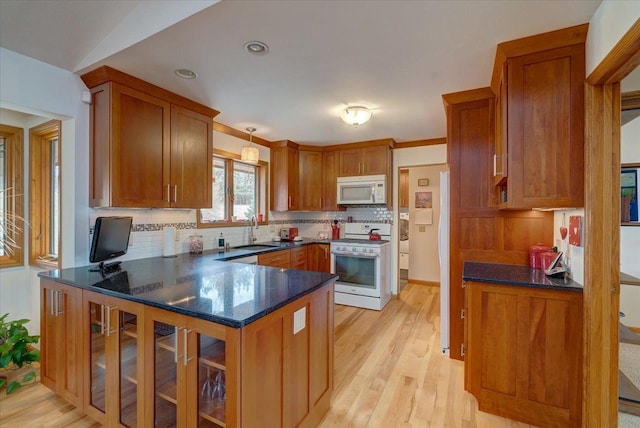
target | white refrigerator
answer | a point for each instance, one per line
(443, 253)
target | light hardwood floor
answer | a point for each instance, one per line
(389, 372)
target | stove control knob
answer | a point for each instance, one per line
(371, 250)
(354, 249)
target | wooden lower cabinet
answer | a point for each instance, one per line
(287, 375)
(319, 258)
(128, 364)
(281, 259)
(298, 258)
(60, 343)
(114, 359)
(189, 382)
(524, 352)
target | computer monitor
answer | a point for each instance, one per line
(110, 240)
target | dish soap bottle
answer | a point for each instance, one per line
(221, 243)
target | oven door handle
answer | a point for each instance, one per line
(361, 255)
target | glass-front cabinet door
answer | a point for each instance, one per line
(192, 385)
(115, 366)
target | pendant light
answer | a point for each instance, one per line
(249, 153)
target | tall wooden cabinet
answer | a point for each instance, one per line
(60, 345)
(149, 147)
(524, 355)
(479, 231)
(319, 258)
(539, 86)
(403, 189)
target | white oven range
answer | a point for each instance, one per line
(362, 266)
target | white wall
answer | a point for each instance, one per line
(33, 87)
(402, 158)
(608, 24)
(630, 235)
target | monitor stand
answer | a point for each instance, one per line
(106, 267)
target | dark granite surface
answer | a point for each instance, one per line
(238, 252)
(515, 275)
(233, 294)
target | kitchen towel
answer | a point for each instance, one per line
(168, 241)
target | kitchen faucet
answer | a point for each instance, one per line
(252, 222)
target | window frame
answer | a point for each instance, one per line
(14, 202)
(40, 197)
(262, 196)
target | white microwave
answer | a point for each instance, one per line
(363, 189)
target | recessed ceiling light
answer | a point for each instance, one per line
(256, 48)
(186, 73)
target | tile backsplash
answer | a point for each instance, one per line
(146, 236)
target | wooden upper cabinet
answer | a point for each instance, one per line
(500, 157)
(149, 148)
(191, 145)
(403, 193)
(542, 104)
(329, 182)
(310, 184)
(368, 160)
(284, 176)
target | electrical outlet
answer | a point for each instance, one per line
(299, 319)
(421, 229)
(272, 228)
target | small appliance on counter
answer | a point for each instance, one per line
(288, 233)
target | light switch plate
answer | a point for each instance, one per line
(299, 320)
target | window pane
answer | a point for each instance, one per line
(3, 191)
(55, 197)
(244, 190)
(218, 211)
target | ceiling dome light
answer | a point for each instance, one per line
(356, 115)
(186, 73)
(249, 153)
(256, 48)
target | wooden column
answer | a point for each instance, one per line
(602, 254)
(602, 230)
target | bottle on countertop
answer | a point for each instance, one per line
(221, 243)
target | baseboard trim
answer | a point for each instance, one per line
(421, 282)
(636, 329)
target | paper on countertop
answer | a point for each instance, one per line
(424, 216)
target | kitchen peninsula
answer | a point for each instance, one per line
(190, 341)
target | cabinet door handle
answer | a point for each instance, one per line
(175, 193)
(102, 319)
(58, 311)
(51, 300)
(109, 309)
(175, 343)
(168, 194)
(289, 201)
(185, 354)
(495, 165)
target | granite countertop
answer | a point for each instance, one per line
(232, 294)
(515, 275)
(270, 246)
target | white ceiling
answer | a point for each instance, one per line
(397, 57)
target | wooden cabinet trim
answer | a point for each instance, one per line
(107, 74)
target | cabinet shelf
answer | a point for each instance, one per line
(167, 392)
(212, 352)
(166, 342)
(212, 413)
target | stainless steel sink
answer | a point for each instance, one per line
(254, 247)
